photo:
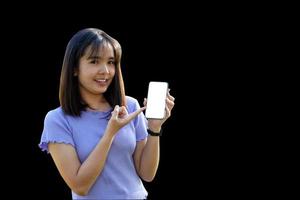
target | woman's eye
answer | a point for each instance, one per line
(111, 62)
(93, 61)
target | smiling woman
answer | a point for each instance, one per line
(91, 64)
(102, 132)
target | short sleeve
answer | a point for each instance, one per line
(140, 122)
(56, 130)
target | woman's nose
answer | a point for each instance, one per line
(103, 69)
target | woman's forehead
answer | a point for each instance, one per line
(103, 49)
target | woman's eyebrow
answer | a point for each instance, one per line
(93, 57)
(99, 57)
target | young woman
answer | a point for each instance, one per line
(99, 139)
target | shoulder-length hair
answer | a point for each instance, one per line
(69, 95)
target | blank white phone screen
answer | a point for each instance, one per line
(156, 100)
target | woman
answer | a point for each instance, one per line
(99, 139)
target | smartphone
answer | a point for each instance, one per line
(156, 100)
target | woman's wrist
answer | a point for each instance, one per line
(155, 129)
(111, 132)
(152, 133)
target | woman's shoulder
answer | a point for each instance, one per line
(55, 113)
(131, 100)
(132, 103)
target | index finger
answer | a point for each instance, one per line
(131, 116)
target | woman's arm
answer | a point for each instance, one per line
(81, 176)
(146, 155)
(146, 158)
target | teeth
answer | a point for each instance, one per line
(101, 80)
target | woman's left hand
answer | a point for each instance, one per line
(155, 124)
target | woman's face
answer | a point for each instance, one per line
(95, 73)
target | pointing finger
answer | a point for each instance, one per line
(134, 114)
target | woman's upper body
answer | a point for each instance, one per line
(118, 179)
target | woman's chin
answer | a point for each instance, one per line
(101, 90)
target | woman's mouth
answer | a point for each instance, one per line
(101, 82)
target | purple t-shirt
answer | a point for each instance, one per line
(119, 179)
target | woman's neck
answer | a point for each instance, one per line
(96, 102)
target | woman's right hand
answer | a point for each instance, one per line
(120, 118)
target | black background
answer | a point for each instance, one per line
(201, 54)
